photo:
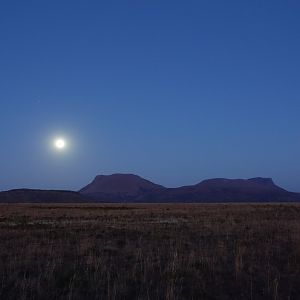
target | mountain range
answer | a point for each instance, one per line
(127, 188)
(132, 188)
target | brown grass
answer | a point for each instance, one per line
(218, 251)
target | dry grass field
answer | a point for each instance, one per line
(191, 251)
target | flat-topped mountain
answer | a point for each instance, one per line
(257, 182)
(119, 186)
(40, 196)
(132, 188)
(229, 190)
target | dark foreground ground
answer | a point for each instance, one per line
(192, 251)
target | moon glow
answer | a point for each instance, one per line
(60, 143)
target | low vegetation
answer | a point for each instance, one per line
(217, 251)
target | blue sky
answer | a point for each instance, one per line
(175, 91)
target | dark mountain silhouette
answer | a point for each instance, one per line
(126, 188)
(40, 196)
(119, 187)
(132, 188)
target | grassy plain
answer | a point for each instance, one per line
(188, 251)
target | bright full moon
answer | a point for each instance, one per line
(60, 143)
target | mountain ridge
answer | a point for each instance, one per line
(41, 196)
(257, 189)
(131, 188)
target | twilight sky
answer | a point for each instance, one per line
(175, 91)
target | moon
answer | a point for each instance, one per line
(60, 143)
